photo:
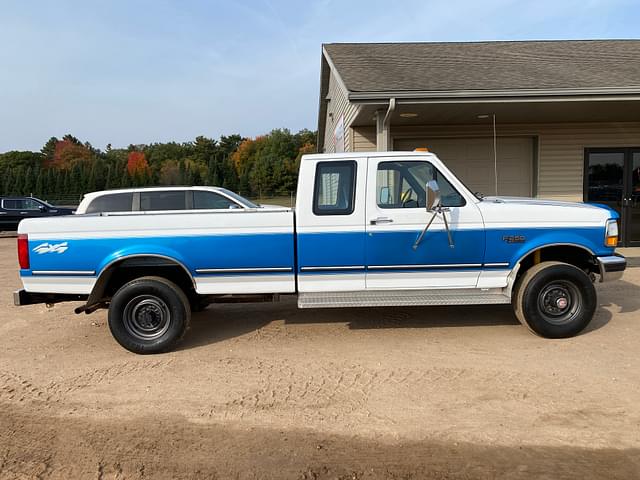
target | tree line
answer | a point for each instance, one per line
(263, 166)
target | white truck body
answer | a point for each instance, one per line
(362, 253)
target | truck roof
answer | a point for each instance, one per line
(343, 155)
(92, 195)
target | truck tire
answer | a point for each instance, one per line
(149, 315)
(554, 300)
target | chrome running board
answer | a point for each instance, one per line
(398, 298)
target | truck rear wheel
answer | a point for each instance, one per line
(149, 315)
(554, 300)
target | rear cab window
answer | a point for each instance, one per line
(334, 189)
(163, 200)
(117, 202)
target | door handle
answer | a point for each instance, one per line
(380, 220)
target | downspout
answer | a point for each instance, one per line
(383, 127)
(392, 107)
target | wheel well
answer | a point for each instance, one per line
(130, 268)
(571, 254)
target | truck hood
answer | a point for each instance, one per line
(534, 211)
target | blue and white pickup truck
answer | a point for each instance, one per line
(369, 229)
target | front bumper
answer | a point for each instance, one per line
(611, 267)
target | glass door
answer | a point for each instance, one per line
(632, 202)
(612, 177)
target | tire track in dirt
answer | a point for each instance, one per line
(279, 392)
(15, 388)
(106, 374)
(331, 390)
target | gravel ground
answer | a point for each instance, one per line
(268, 391)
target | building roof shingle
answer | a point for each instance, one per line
(519, 65)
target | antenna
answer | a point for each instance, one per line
(495, 154)
(495, 148)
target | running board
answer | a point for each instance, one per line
(399, 298)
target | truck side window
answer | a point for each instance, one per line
(334, 189)
(163, 200)
(402, 184)
(203, 200)
(117, 202)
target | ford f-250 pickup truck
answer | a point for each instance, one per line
(369, 229)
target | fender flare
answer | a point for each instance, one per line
(103, 277)
(547, 245)
(511, 278)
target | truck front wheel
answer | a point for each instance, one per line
(149, 315)
(554, 299)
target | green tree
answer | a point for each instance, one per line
(8, 182)
(38, 190)
(49, 148)
(28, 185)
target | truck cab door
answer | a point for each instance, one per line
(330, 226)
(397, 214)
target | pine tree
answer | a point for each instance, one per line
(38, 190)
(18, 184)
(50, 183)
(66, 184)
(8, 181)
(74, 185)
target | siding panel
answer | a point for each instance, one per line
(339, 105)
(560, 147)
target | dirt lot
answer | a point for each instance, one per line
(267, 391)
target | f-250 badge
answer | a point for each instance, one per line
(514, 238)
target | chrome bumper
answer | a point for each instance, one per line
(611, 268)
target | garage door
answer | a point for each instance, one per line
(471, 159)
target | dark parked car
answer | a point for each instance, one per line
(14, 209)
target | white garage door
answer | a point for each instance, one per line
(471, 159)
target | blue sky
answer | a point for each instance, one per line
(139, 71)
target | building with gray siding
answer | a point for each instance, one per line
(567, 114)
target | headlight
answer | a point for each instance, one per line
(611, 233)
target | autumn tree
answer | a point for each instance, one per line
(66, 167)
(137, 164)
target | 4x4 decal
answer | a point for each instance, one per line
(51, 248)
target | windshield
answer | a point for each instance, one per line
(479, 195)
(46, 204)
(240, 199)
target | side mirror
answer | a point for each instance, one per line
(433, 195)
(42, 208)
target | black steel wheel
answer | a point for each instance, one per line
(554, 299)
(146, 317)
(149, 315)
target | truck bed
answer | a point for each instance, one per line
(234, 251)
